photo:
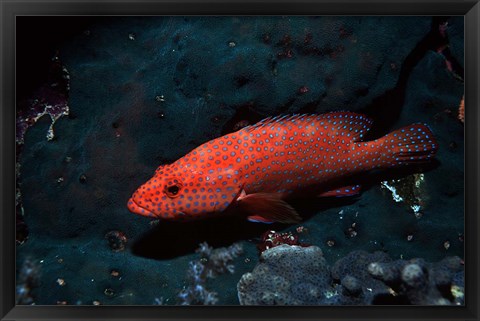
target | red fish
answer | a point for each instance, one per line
(259, 166)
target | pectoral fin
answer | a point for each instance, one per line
(267, 208)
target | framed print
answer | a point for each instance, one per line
(265, 161)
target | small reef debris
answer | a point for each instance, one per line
(50, 99)
(272, 238)
(443, 48)
(410, 190)
(160, 98)
(351, 231)
(215, 119)
(109, 292)
(461, 110)
(446, 245)
(83, 178)
(301, 229)
(303, 90)
(114, 273)
(159, 301)
(61, 282)
(212, 263)
(116, 240)
(27, 279)
(131, 36)
(21, 235)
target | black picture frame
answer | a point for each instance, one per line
(10, 9)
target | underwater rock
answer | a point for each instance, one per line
(359, 287)
(287, 275)
(421, 283)
(352, 286)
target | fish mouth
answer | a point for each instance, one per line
(135, 208)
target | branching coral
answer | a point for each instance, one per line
(212, 263)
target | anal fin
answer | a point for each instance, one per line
(342, 191)
(258, 219)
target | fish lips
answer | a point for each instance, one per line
(134, 208)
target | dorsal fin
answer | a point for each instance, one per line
(268, 121)
(355, 124)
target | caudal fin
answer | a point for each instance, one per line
(411, 144)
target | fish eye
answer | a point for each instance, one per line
(172, 188)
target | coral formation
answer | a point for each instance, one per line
(421, 283)
(212, 262)
(294, 275)
(287, 275)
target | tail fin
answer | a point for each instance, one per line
(411, 144)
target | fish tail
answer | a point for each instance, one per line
(411, 144)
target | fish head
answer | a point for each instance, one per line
(180, 192)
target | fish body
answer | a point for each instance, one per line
(260, 166)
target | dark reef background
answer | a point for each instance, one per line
(143, 91)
